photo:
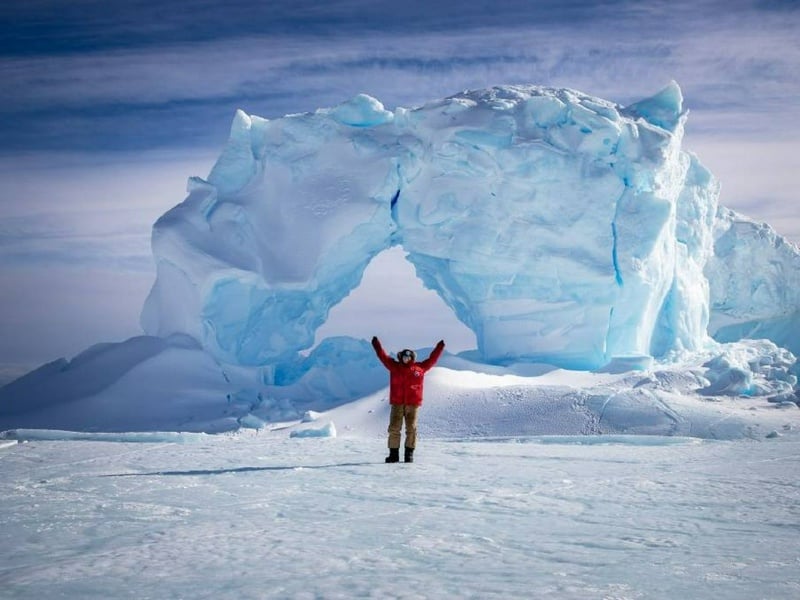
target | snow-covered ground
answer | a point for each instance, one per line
(530, 481)
(678, 480)
(265, 515)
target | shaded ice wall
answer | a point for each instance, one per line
(558, 226)
(754, 278)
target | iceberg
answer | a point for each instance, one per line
(607, 288)
(559, 227)
(754, 279)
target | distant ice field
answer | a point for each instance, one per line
(262, 515)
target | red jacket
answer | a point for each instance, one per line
(405, 380)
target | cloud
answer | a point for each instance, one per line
(758, 178)
(107, 239)
(75, 260)
(81, 213)
(38, 26)
(59, 311)
(71, 275)
(736, 66)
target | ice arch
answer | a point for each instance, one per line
(557, 226)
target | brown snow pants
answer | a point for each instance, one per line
(400, 413)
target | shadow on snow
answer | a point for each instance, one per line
(239, 470)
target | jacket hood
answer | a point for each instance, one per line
(407, 351)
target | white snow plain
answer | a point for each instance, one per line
(262, 515)
(514, 494)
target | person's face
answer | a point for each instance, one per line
(406, 358)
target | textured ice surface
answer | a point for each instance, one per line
(559, 227)
(326, 431)
(754, 276)
(261, 516)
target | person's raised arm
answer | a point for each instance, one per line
(431, 360)
(382, 356)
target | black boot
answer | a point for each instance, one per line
(394, 455)
(409, 457)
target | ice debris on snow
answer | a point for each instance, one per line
(310, 416)
(250, 421)
(144, 437)
(754, 368)
(326, 431)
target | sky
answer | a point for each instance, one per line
(107, 108)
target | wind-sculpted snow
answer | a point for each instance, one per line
(559, 227)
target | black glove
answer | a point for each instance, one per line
(375, 342)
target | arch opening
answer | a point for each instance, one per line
(392, 303)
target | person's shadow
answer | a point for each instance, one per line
(196, 472)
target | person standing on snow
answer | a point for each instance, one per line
(405, 395)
